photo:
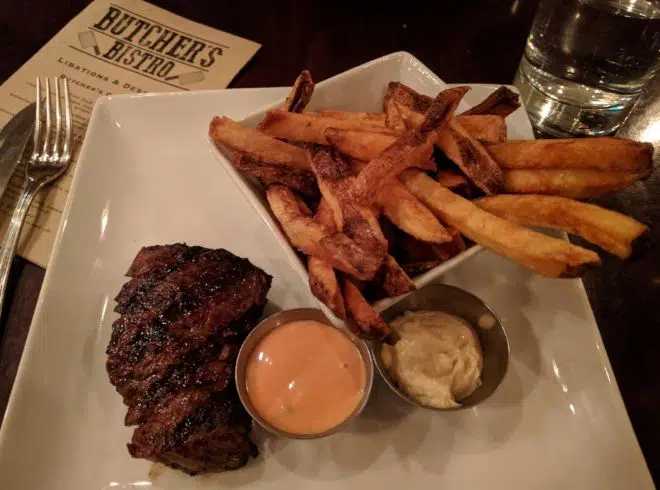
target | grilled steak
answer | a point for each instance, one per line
(184, 314)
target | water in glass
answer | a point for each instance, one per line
(586, 61)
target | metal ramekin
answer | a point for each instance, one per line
(460, 303)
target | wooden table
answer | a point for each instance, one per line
(462, 41)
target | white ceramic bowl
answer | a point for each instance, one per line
(358, 89)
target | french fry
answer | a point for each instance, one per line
(471, 157)
(301, 93)
(443, 108)
(257, 145)
(323, 280)
(612, 231)
(403, 209)
(468, 154)
(412, 146)
(302, 181)
(365, 145)
(374, 118)
(395, 280)
(324, 285)
(606, 154)
(335, 176)
(394, 119)
(360, 145)
(407, 212)
(392, 276)
(404, 95)
(544, 255)
(455, 182)
(485, 129)
(312, 238)
(501, 103)
(310, 128)
(369, 324)
(324, 215)
(577, 184)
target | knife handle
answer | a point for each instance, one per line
(10, 241)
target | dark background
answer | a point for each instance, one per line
(477, 41)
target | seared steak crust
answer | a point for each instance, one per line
(184, 314)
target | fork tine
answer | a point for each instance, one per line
(44, 148)
(37, 123)
(66, 149)
(55, 156)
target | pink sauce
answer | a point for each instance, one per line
(305, 377)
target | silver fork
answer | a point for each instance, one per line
(51, 154)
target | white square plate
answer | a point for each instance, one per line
(148, 176)
(362, 89)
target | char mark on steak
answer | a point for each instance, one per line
(184, 314)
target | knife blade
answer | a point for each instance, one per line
(14, 137)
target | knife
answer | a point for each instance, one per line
(14, 137)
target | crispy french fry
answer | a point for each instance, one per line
(544, 255)
(360, 145)
(301, 93)
(443, 108)
(304, 127)
(365, 145)
(612, 231)
(335, 175)
(466, 152)
(455, 182)
(394, 119)
(408, 213)
(257, 145)
(403, 209)
(404, 95)
(324, 214)
(485, 129)
(324, 285)
(302, 181)
(501, 103)
(312, 238)
(395, 281)
(369, 324)
(323, 280)
(607, 154)
(412, 146)
(375, 118)
(471, 157)
(577, 184)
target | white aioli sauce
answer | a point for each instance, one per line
(437, 359)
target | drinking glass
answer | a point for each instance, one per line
(586, 62)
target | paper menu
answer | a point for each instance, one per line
(112, 47)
